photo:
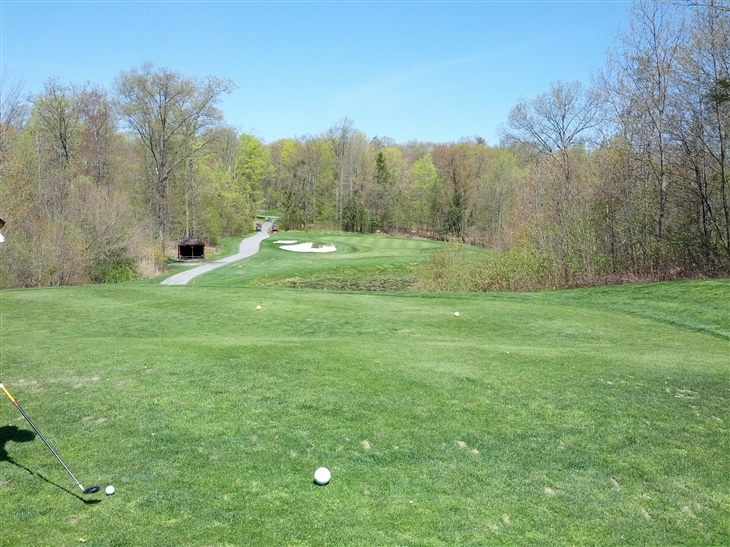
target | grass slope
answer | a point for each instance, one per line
(572, 417)
(361, 262)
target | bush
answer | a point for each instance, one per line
(464, 269)
(115, 271)
(522, 268)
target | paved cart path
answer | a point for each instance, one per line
(249, 246)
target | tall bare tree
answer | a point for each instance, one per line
(640, 88)
(701, 130)
(557, 126)
(55, 125)
(13, 112)
(171, 114)
(554, 122)
(56, 115)
(98, 130)
(348, 147)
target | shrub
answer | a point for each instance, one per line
(461, 268)
(117, 270)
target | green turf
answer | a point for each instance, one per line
(591, 417)
(361, 262)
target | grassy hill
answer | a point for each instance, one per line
(570, 417)
(362, 262)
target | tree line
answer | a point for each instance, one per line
(626, 178)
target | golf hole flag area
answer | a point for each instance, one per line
(595, 416)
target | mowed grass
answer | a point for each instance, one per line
(369, 262)
(572, 417)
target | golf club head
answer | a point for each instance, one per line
(91, 489)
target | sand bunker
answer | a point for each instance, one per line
(285, 241)
(309, 247)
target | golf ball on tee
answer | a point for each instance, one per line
(109, 490)
(322, 475)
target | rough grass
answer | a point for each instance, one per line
(570, 417)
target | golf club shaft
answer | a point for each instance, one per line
(27, 418)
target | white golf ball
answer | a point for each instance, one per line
(322, 475)
(456, 314)
(258, 307)
(109, 490)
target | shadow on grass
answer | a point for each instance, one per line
(15, 434)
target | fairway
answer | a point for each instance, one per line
(596, 416)
(369, 261)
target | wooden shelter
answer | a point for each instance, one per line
(190, 248)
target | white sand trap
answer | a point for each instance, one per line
(309, 247)
(285, 241)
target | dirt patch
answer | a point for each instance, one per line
(462, 444)
(687, 511)
(81, 382)
(28, 385)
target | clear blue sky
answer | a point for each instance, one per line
(424, 70)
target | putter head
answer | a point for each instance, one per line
(92, 489)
